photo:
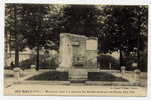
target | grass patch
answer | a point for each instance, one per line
(51, 75)
(103, 76)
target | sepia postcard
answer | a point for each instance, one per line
(76, 50)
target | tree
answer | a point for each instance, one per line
(123, 28)
(35, 24)
(81, 19)
(13, 27)
(55, 19)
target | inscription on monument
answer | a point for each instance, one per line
(91, 44)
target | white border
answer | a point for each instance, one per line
(104, 2)
(1, 45)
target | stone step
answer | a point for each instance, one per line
(78, 74)
(77, 81)
(77, 77)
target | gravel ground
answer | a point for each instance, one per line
(46, 89)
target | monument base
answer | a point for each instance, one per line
(77, 74)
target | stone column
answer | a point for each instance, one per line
(137, 75)
(123, 70)
(33, 68)
(17, 74)
(110, 66)
(65, 53)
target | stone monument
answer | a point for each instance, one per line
(78, 55)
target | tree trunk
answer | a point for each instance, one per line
(16, 52)
(121, 58)
(138, 43)
(16, 39)
(138, 51)
(37, 58)
(10, 45)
